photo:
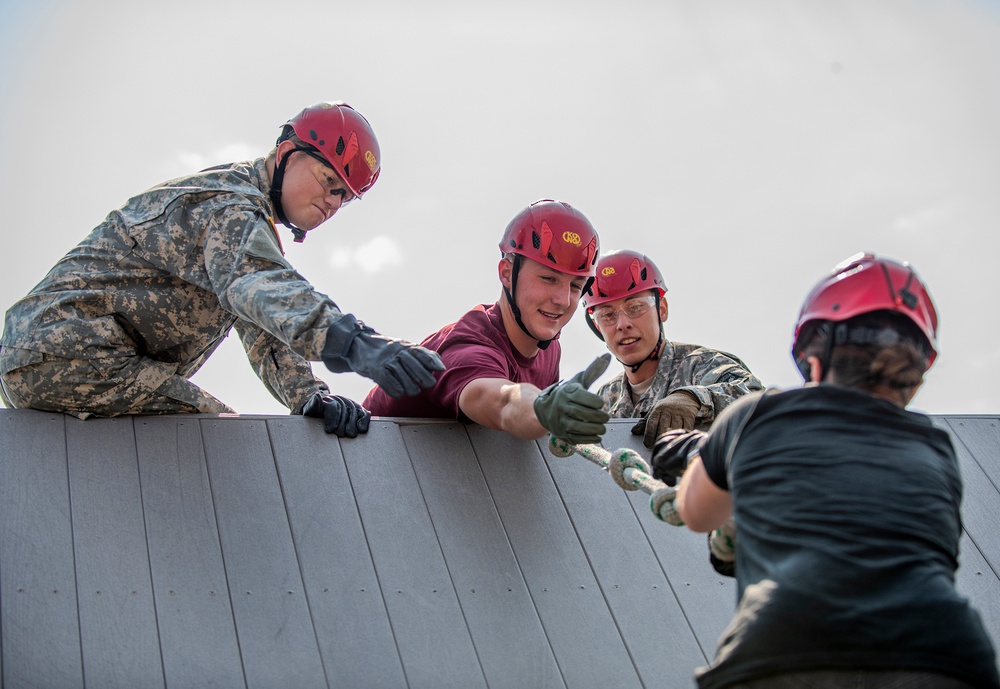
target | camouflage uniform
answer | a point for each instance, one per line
(124, 319)
(714, 377)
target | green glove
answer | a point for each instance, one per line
(571, 413)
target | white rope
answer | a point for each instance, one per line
(630, 471)
(723, 541)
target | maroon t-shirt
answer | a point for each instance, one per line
(476, 346)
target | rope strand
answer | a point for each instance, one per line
(629, 471)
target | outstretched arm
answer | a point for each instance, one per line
(502, 405)
(567, 410)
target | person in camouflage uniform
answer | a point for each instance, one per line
(665, 384)
(122, 322)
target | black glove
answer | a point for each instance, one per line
(340, 415)
(677, 410)
(398, 367)
(670, 454)
(723, 567)
(571, 413)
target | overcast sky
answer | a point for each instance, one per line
(745, 146)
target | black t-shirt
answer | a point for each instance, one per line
(848, 525)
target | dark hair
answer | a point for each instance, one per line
(878, 352)
(288, 134)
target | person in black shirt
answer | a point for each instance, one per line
(846, 504)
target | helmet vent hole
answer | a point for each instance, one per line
(347, 170)
(536, 241)
(642, 274)
(552, 258)
(340, 145)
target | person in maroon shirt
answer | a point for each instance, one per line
(502, 359)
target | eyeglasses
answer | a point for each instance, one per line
(633, 308)
(328, 177)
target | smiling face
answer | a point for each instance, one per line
(631, 338)
(311, 192)
(547, 299)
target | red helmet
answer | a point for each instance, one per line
(554, 234)
(346, 141)
(621, 274)
(865, 283)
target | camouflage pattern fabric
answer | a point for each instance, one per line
(715, 378)
(161, 282)
(111, 386)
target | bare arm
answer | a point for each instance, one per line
(701, 504)
(502, 405)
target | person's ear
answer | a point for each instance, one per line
(505, 269)
(815, 369)
(664, 310)
(283, 149)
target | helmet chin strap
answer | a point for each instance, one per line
(542, 344)
(653, 355)
(275, 194)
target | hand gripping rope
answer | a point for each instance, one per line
(630, 471)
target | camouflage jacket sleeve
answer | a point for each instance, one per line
(254, 282)
(285, 374)
(715, 378)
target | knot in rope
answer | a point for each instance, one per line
(662, 505)
(630, 471)
(722, 541)
(628, 459)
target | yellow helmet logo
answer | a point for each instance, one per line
(370, 159)
(606, 272)
(571, 238)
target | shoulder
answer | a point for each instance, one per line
(231, 188)
(698, 352)
(473, 329)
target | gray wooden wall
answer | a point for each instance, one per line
(203, 551)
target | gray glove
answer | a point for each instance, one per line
(571, 413)
(398, 367)
(676, 410)
(340, 415)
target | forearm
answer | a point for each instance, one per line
(517, 415)
(289, 309)
(700, 503)
(502, 405)
(715, 397)
(285, 374)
